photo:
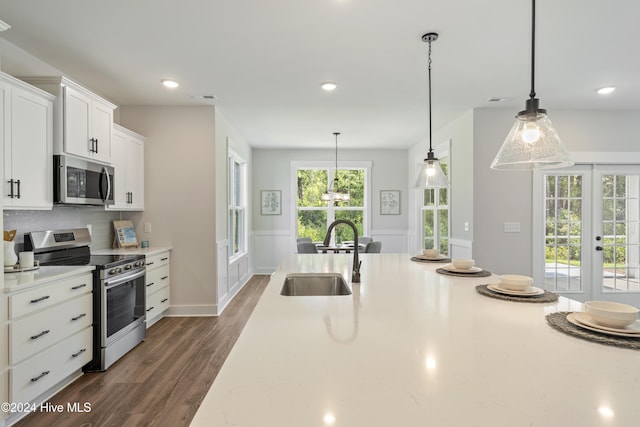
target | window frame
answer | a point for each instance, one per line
(329, 166)
(232, 159)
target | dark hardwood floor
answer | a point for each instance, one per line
(162, 381)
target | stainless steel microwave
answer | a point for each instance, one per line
(81, 182)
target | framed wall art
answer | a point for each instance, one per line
(271, 202)
(389, 202)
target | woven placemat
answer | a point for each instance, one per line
(559, 321)
(483, 273)
(546, 297)
(415, 258)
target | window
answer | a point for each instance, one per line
(237, 205)
(435, 217)
(314, 214)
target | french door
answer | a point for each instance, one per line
(587, 232)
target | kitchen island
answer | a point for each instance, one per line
(411, 347)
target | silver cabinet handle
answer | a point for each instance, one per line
(79, 316)
(45, 373)
(82, 350)
(35, 337)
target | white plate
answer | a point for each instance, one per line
(428, 258)
(585, 320)
(450, 267)
(533, 291)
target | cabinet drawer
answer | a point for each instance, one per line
(36, 375)
(34, 333)
(157, 303)
(157, 279)
(46, 296)
(155, 261)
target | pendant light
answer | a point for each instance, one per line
(532, 143)
(332, 194)
(431, 175)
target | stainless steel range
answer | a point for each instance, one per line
(118, 290)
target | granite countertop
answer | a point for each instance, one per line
(412, 347)
(30, 279)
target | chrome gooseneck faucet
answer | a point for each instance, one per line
(355, 273)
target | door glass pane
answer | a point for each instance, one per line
(620, 243)
(563, 227)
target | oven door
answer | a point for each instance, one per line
(123, 307)
(82, 182)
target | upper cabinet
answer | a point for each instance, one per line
(27, 130)
(128, 160)
(83, 120)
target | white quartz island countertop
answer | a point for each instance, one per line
(412, 347)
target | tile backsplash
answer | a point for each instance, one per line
(62, 218)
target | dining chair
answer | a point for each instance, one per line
(304, 239)
(307, 248)
(373, 247)
(363, 240)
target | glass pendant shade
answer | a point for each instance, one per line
(532, 143)
(431, 175)
(332, 194)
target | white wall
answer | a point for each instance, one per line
(234, 274)
(180, 198)
(501, 196)
(274, 234)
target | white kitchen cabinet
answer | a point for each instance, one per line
(127, 157)
(50, 335)
(157, 281)
(82, 120)
(27, 147)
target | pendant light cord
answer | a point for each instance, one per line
(429, 62)
(533, 48)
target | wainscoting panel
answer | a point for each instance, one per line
(393, 241)
(269, 247)
(232, 275)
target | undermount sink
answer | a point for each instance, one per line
(314, 284)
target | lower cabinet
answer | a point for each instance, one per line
(51, 335)
(157, 281)
(38, 374)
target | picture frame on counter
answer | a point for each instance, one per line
(125, 235)
(271, 202)
(389, 202)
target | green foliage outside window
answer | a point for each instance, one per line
(315, 214)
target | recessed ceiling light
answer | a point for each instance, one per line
(606, 90)
(329, 86)
(171, 84)
(496, 99)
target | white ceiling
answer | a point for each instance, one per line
(264, 60)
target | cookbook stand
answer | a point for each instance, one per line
(125, 235)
